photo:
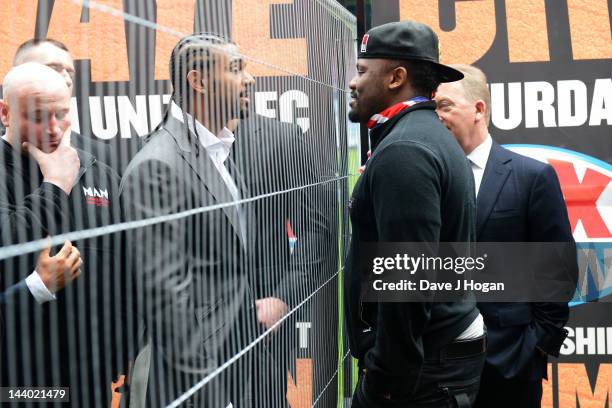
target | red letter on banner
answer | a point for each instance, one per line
(547, 388)
(299, 394)
(101, 40)
(574, 382)
(581, 198)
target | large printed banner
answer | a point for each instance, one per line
(549, 68)
(121, 50)
(298, 50)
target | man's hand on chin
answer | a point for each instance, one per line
(270, 310)
(59, 167)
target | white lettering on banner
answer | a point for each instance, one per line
(303, 328)
(287, 103)
(156, 110)
(539, 97)
(128, 116)
(113, 115)
(261, 103)
(602, 102)
(588, 340)
(500, 118)
(572, 103)
(543, 104)
(110, 117)
(74, 115)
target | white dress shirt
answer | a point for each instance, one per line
(38, 289)
(478, 160)
(218, 148)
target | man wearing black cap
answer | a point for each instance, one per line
(417, 187)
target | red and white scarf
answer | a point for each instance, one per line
(387, 114)
(391, 111)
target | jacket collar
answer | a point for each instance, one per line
(495, 175)
(194, 154)
(86, 158)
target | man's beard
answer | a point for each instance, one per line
(245, 112)
(245, 108)
(353, 116)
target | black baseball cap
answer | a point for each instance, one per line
(407, 40)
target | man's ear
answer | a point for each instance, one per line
(399, 76)
(481, 110)
(4, 113)
(196, 81)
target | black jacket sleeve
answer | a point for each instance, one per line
(35, 216)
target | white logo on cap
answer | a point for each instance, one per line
(364, 43)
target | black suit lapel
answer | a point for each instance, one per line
(205, 170)
(495, 175)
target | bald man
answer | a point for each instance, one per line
(55, 55)
(50, 337)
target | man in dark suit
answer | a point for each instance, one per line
(293, 248)
(193, 292)
(519, 200)
(416, 188)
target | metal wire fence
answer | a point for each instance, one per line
(172, 213)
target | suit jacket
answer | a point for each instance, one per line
(192, 290)
(520, 200)
(275, 158)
